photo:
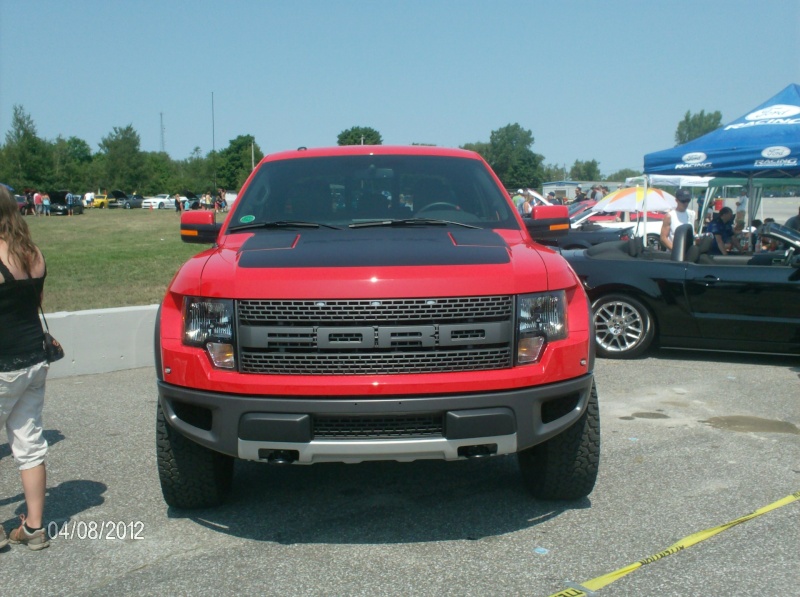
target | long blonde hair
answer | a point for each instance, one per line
(14, 231)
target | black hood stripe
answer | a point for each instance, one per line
(374, 247)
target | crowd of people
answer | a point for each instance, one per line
(732, 233)
(37, 204)
(218, 203)
(596, 193)
(525, 199)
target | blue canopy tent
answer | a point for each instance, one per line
(764, 143)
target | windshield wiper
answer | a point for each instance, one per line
(411, 222)
(281, 224)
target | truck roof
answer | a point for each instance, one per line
(303, 152)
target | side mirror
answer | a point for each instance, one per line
(199, 227)
(547, 221)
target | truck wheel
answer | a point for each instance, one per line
(565, 466)
(624, 328)
(191, 475)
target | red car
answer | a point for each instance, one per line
(374, 303)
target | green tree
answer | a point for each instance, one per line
(554, 172)
(234, 163)
(70, 159)
(484, 149)
(588, 170)
(696, 125)
(25, 155)
(510, 156)
(359, 135)
(621, 175)
(124, 162)
(159, 174)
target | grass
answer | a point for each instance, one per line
(109, 258)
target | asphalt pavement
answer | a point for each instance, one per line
(689, 441)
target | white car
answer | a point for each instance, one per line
(163, 201)
(653, 229)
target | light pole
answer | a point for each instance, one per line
(213, 142)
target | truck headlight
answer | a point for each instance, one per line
(541, 318)
(208, 323)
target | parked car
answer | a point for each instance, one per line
(162, 201)
(691, 299)
(100, 201)
(582, 235)
(21, 203)
(190, 201)
(580, 213)
(128, 202)
(58, 203)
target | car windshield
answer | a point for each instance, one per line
(781, 232)
(341, 191)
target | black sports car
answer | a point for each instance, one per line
(583, 235)
(691, 299)
(58, 203)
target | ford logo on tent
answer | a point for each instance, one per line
(694, 157)
(776, 111)
(777, 151)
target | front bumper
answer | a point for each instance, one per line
(256, 427)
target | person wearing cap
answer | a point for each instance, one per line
(677, 217)
(551, 197)
(519, 199)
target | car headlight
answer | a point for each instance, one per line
(541, 318)
(208, 323)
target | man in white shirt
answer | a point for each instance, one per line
(677, 217)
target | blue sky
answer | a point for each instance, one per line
(604, 80)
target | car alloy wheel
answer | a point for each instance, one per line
(654, 242)
(623, 327)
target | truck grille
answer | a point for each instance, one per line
(395, 310)
(366, 427)
(369, 337)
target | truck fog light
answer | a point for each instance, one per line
(530, 348)
(221, 355)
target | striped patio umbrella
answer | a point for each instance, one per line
(634, 199)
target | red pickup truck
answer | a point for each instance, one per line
(374, 303)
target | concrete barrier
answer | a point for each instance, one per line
(103, 340)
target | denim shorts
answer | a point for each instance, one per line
(21, 401)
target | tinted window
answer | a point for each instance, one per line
(341, 190)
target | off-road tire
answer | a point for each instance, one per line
(191, 475)
(565, 466)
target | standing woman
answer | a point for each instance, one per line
(23, 366)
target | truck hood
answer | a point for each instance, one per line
(379, 262)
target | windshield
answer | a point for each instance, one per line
(340, 191)
(782, 232)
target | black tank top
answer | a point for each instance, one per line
(21, 334)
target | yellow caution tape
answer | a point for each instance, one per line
(587, 588)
